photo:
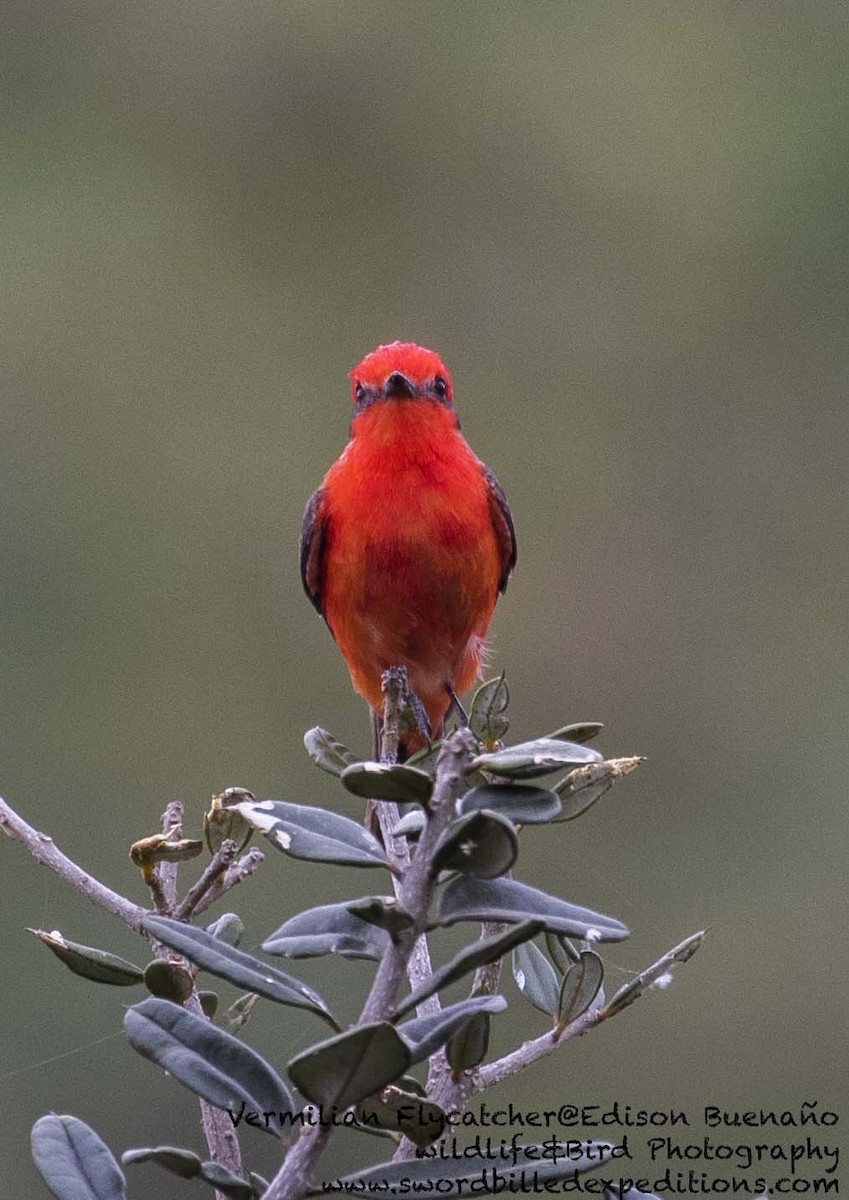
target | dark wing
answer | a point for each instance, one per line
(313, 537)
(502, 523)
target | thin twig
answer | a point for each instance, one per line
(163, 886)
(532, 1051)
(449, 1093)
(417, 885)
(235, 874)
(45, 851)
(395, 688)
(218, 1129)
(217, 866)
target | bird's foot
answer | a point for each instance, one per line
(419, 715)
(403, 713)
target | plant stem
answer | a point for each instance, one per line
(531, 1051)
(234, 874)
(45, 851)
(296, 1173)
(395, 687)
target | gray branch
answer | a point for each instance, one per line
(218, 1129)
(45, 851)
(295, 1175)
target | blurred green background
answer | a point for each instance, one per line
(625, 229)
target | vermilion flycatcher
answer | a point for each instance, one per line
(409, 539)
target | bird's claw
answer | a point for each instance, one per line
(419, 715)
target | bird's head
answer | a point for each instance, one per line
(401, 371)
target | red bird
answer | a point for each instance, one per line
(409, 540)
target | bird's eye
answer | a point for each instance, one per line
(440, 387)
(359, 391)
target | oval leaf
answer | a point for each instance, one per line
(635, 987)
(425, 759)
(209, 1003)
(424, 1035)
(381, 781)
(540, 757)
(468, 1047)
(96, 965)
(226, 1182)
(328, 929)
(404, 1112)
(345, 1069)
(579, 987)
(74, 1162)
(535, 978)
(242, 969)
(480, 843)
(488, 715)
(383, 911)
(178, 1162)
(228, 928)
(561, 951)
(213, 1064)
(481, 952)
(170, 980)
(431, 1173)
(222, 821)
(314, 834)
(518, 802)
(465, 899)
(326, 752)
(239, 1012)
(582, 731)
(411, 824)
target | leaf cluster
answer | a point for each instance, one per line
(463, 852)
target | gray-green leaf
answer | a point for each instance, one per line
(581, 731)
(326, 752)
(179, 1162)
(213, 1064)
(479, 843)
(465, 899)
(328, 929)
(403, 1112)
(535, 978)
(244, 970)
(226, 1182)
(635, 987)
(96, 965)
(314, 834)
(579, 987)
(380, 781)
(481, 952)
(424, 1035)
(488, 719)
(468, 1047)
(74, 1162)
(539, 757)
(228, 928)
(345, 1069)
(519, 803)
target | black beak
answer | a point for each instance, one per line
(398, 385)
